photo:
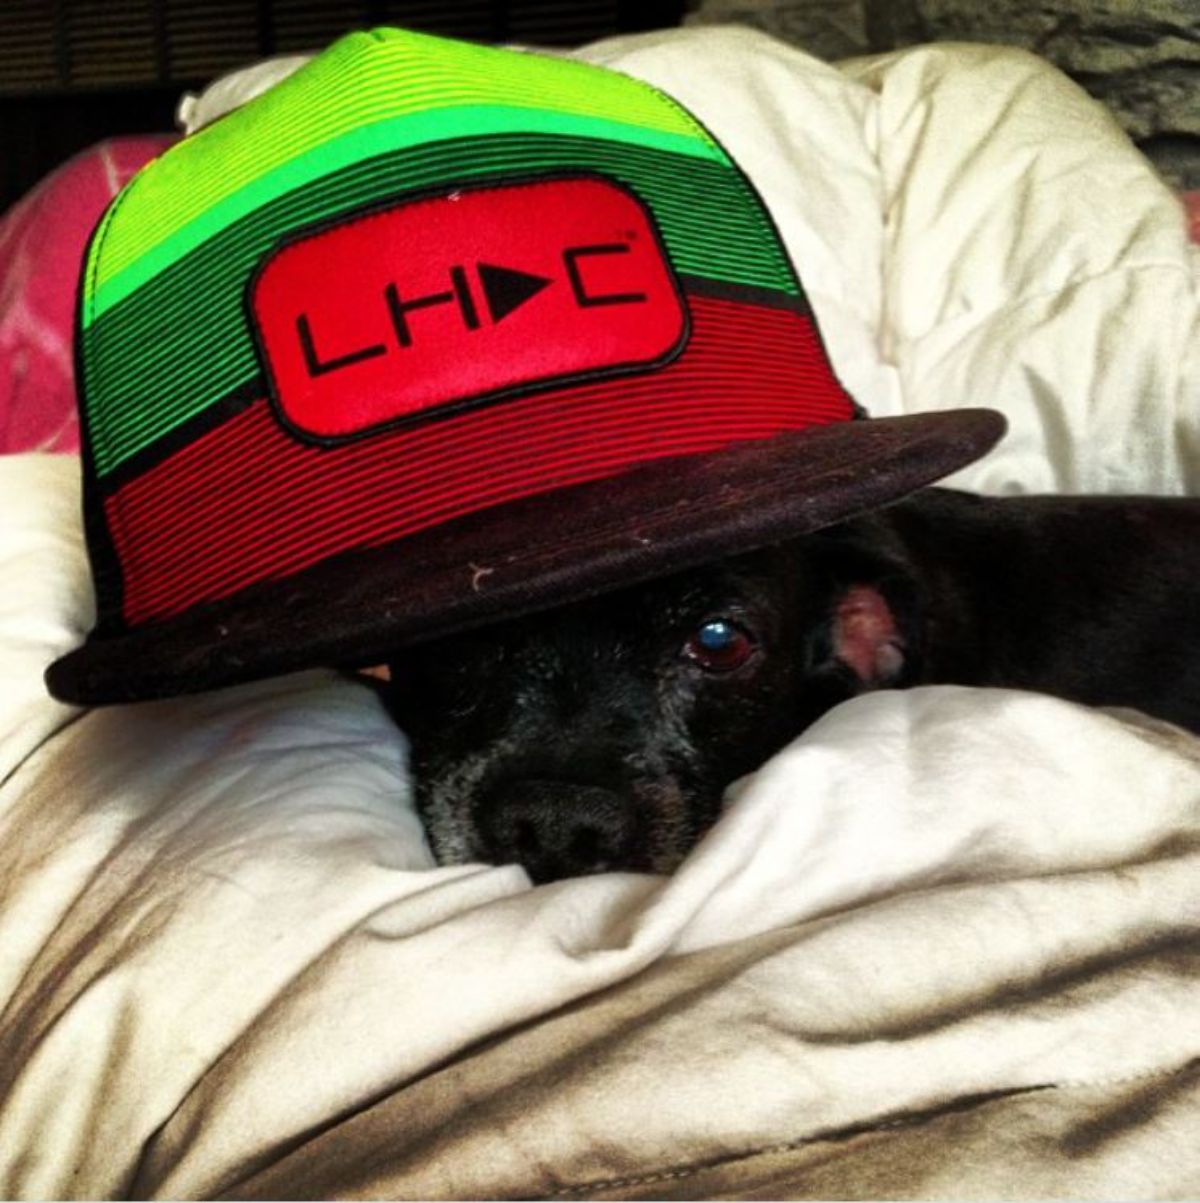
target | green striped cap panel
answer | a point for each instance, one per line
(362, 80)
(165, 334)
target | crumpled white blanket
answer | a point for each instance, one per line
(220, 928)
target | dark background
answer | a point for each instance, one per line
(73, 72)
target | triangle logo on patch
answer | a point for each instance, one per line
(507, 289)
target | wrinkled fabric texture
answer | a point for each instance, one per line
(1141, 60)
(230, 967)
(943, 945)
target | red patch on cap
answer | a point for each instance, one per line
(442, 301)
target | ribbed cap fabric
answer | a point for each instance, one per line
(416, 281)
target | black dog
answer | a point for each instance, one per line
(602, 735)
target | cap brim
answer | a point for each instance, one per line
(530, 555)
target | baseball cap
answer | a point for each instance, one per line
(430, 335)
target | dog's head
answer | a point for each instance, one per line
(602, 735)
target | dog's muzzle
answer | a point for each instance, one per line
(556, 828)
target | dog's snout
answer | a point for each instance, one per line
(556, 828)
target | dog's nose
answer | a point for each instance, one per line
(557, 829)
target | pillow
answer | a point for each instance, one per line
(42, 240)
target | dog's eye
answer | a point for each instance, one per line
(720, 646)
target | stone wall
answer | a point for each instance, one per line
(1139, 57)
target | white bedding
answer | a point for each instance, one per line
(227, 963)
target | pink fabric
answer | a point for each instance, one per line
(42, 240)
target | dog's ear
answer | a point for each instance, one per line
(867, 629)
(865, 637)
